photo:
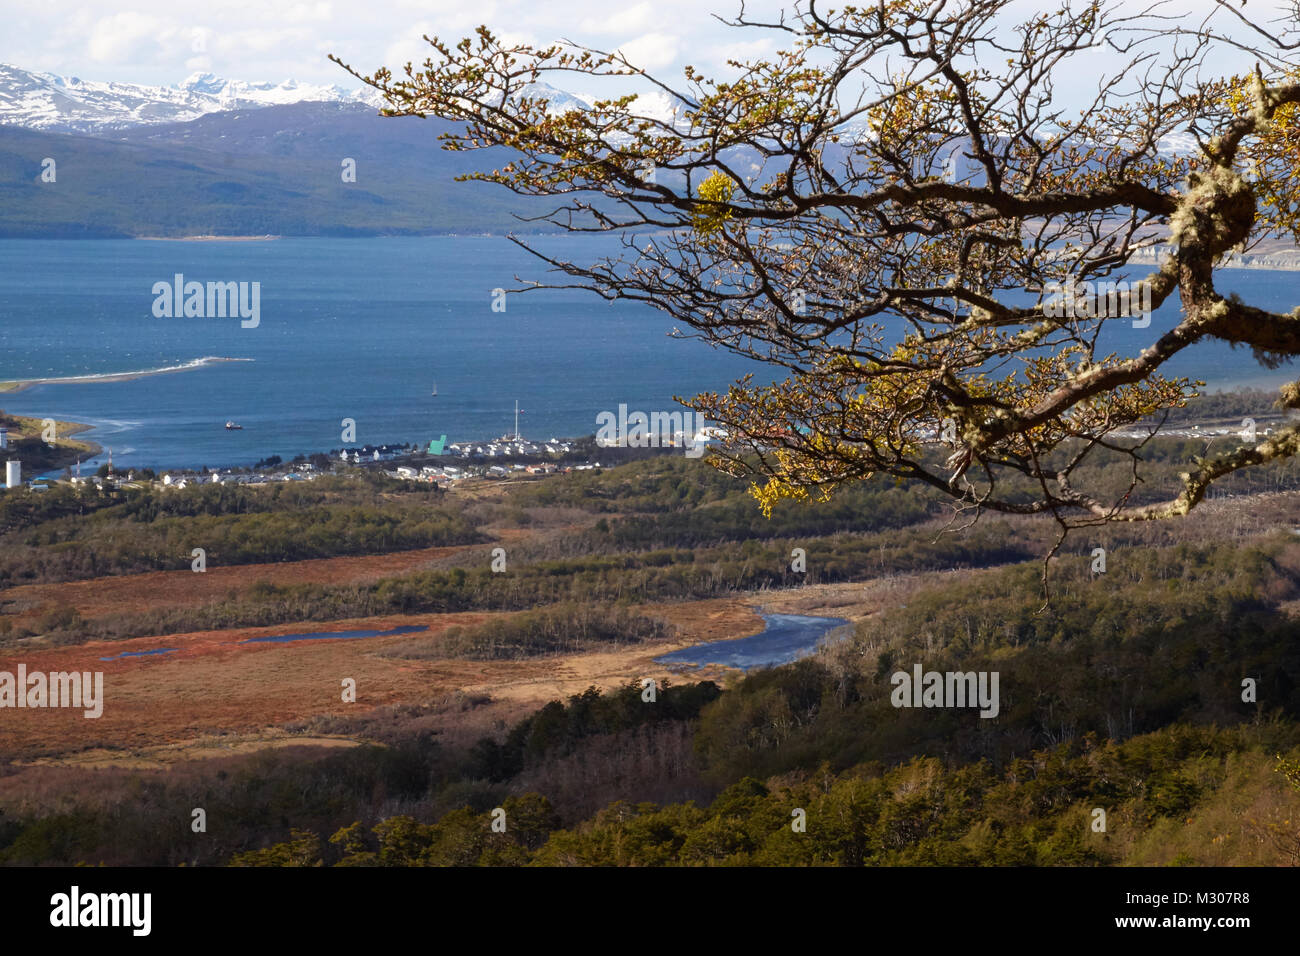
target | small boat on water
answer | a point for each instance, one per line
(435, 389)
(232, 427)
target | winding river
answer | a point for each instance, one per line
(786, 638)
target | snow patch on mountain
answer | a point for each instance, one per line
(69, 104)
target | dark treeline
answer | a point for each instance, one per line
(667, 574)
(124, 818)
(1224, 406)
(1040, 811)
(564, 628)
(71, 533)
(23, 509)
(1166, 637)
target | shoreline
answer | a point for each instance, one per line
(93, 449)
(19, 385)
(74, 449)
(207, 238)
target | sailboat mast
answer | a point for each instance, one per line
(516, 419)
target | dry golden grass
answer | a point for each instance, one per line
(214, 685)
(164, 589)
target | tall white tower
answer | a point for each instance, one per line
(13, 474)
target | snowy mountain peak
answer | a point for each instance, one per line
(203, 83)
(69, 104)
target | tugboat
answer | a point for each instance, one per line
(232, 427)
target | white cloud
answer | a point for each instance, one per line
(126, 35)
(745, 52)
(447, 16)
(651, 51)
(409, 48)
(253, 41)
(154, 41)
(636, 17)
(302, 12)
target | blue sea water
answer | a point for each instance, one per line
(359, 329)
(363, 329)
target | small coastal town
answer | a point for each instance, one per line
(516, 456)
(510, 456)
(42, 453)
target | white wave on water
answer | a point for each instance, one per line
(112, 426)
(137, 373)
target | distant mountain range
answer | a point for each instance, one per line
(219, 157)
(276, 170)
(71, 105)
(66, 104)
(212, 156)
